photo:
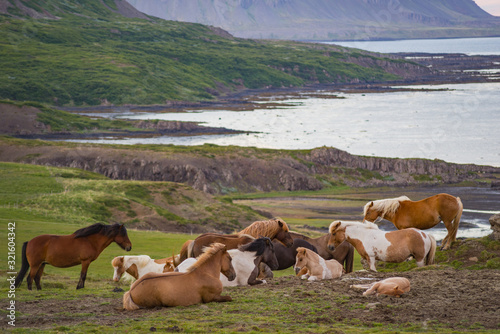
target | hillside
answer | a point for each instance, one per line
(69, 53)
(332, 19)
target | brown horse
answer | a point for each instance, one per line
(373, 244)
(200, 284)
(275, 228)
(343, 253)
(423, 214)
(83, 246)
(194, 248)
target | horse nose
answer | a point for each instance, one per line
(128, 249)
(297, 269)
(331, 247)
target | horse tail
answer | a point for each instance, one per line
(349, 260)
(24, 266)
(190, 248)
(429, 259)
(456, 221)
(183, 254)
(128, 303)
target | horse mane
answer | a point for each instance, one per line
(366, 225)
(386, 206)
(140, 260)
(208, 253)
(106, 230)
(258, 245)
(266, 228)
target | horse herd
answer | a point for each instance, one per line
(212, 261)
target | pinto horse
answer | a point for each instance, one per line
(314, 267)
(344, 253)
(139, 265)
(423, 214)
(81, 247)
(200, 284)
(246, 261)
(373, 244)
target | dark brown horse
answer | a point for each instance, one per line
(81, 247)
(343, 253)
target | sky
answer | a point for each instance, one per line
(491, 6)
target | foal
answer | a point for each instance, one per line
(317, 267)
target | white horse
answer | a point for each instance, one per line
(139, 265)
(309, 265)
(373, 244)
(245, 260)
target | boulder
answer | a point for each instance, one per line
(495, 226)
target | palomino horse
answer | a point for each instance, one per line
(344, 253)
(392, 286)
(200, 284)
(246, 261)
(314, 267)
(424, 214)
(373, 244)
(194, 248)
(83, 246)
(139, 265)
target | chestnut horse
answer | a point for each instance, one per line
(373, 244)
(200, 284)
(344, 253)
(83, 246)
(313, 267)
(423, 214)
(392, 286)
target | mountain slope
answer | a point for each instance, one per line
(331, 19)
(66, 52)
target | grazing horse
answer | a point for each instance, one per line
(194, 248)
(344, 253)
(246, 261)
(314, 267)
(200, 284)
(83, 246)
(139, 265)
(373, 244)
(392, 286)
(424, 214)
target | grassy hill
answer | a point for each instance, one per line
(73, 53)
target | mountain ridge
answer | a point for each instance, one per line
(332, 19)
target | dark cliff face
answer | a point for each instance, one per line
(247, 170)
(320, 19)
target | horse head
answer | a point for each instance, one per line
(300, 259)
(337, 235)
(269, 256)
(370, 213)
(283, 234)
(121, 237)
(118, 265)
(227, 268)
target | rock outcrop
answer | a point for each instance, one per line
(495, 226)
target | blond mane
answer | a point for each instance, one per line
(385, 206)
(366, 225)
(208, 253)
(265, 228)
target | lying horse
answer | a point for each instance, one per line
(81, 247)
(373, 244)
(314, 267)
(274, 229)
(139, 265)
(393, 286)
(246, 261)
(344, 253)
(424, 214)
(194, 248)
(200, 284)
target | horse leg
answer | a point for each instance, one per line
(38, 276)
(371, 262)
(33, 272)
(448, 239)
(83, 274)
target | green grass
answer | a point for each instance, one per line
(105, 58)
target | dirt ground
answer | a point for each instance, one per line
(455, 299)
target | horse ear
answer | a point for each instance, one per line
(371, 204)
(280, 223)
